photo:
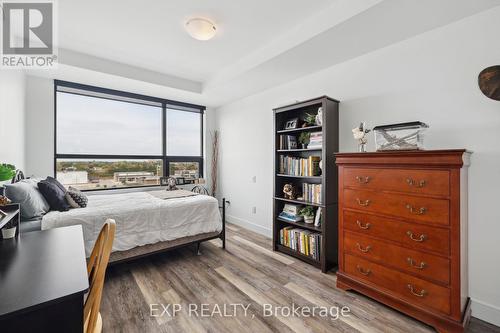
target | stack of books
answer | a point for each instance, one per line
(311, 192)
(315, 140)
(295, 166)
(291, 213)
(304, 241)
(288, 142)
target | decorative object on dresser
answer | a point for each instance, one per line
(404, 136)
(489, 82)
(312, 173)
(403, 232)
(359, 134)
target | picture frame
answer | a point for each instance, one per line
(292, 123)
(163, 181)
(180, 180)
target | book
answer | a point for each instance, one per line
(290, 217)
(303, 241)
(317, 217)
(293, 209)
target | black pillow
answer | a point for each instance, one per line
(54, 192)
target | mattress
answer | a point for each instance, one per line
(140, 218)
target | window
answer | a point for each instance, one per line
(110, 139)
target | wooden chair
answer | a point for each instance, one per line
(96, 268)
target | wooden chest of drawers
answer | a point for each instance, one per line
(403, 232)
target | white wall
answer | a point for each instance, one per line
(432, 78)
(40, 127)
(12, 115)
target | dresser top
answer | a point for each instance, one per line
(442, 158)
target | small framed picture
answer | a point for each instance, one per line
(292, 123)
(163, 181)
(180, 181)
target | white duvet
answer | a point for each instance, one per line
(140, 218)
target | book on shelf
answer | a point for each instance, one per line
(312, 192)
(291, 213)
(315, 140)
(317, 217)
(303, 241)
(296, 166)
(290, 217)
(293, 209)
(287, 142)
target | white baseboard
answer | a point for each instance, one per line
(250, 225)
(486, 312)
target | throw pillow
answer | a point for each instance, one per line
(29, 198)
(76, 198)
(54, 193)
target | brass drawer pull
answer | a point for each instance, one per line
(363, 180)
(365, 227)
(411, 262)
(422, 293)
(365, 249)
(362, 271)
(412, 182)
(419, 239)
(412, 210)
(363, 203)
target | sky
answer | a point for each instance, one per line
(89, 125)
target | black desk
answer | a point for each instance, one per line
(43, 279)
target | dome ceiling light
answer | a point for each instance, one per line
(201, 29)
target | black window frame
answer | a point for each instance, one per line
(165, 104)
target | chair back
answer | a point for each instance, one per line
(96, 269)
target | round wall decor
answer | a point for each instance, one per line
(489, 82)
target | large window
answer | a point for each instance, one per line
(111, 139)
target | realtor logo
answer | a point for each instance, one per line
(28, 35)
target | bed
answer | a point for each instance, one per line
(145, 222)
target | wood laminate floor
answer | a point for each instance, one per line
(248, 272)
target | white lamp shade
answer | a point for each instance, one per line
(201, 29)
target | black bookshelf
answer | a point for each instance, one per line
(327, 179)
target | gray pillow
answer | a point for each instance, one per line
(27, 195)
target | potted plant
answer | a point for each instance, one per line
(308, 213)
(7, 172)
(304, 139)
(309, 120)
(9, 229)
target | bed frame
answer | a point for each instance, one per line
(146, 250)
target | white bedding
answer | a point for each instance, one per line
(140, 218)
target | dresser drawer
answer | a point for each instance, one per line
(409, 288)
(426, 266)
(432, 182)
(406, 206)
(415, 236)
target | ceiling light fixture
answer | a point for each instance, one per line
(200, 28)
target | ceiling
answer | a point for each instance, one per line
(151, 34)
(142, 47)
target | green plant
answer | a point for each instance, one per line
(304, 138)
(310, 119)
(307, 211)
(7, 171)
